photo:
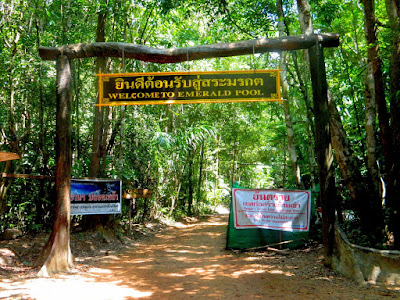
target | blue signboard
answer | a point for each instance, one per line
(95, 196)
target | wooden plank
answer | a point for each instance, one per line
(5, 156)
(26, 176)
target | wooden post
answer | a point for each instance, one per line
(131, 204)
(323, 148)
(56, 255)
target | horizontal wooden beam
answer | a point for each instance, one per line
(174, 55)
(26, 176)
(5, 156)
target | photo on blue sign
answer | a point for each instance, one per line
(95, 196)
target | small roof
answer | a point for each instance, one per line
(4, 156)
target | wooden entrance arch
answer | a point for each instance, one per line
(56, 255)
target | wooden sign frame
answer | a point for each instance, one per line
(189, 87)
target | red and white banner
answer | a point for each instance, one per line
(283, 210)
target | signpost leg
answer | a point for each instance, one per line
(130, 214)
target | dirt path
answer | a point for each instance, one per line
(188, 261)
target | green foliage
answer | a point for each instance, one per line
(352, 228)
(188, 154)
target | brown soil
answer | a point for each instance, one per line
(184, 261)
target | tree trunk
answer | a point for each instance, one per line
(56, 255)
(95, 161)
(375, 60)
(5, 183)
(284, 165)
(370, 129)
(323, 147)
(393, 186)
(216, 166)
(389, 135)
(43, 185)
(285, 94)
(92, 222)
(303, 77)
(367, 204)
(105, 138)
(306, 24)
(191, 153)
(175, 199)
(200, 181)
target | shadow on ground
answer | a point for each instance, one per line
(188, 261)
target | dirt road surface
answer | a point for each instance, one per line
(188, 261)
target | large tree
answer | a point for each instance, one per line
(286, 107)
(323, 146)
(392, 155)
(56, 255)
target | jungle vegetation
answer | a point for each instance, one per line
(190, 155)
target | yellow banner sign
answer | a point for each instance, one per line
(189, 87)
